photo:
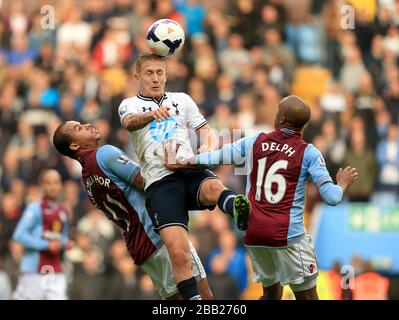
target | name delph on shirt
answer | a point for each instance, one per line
(273, 146)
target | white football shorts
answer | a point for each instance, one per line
(36, 286)
(159, 268)
(295, 265)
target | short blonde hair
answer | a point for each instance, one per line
(147, 57)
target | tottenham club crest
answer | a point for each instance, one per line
(122, 110)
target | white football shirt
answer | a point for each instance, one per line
(147, 142)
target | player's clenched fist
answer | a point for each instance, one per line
(161, 113)
(345, 177)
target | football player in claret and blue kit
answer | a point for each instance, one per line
(278, 165)
(114, 185)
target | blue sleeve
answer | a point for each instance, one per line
(24, 230)
(232, 153)
(114, 160)
(316, 166)
(331, 193)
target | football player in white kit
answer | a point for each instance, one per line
(152, 117)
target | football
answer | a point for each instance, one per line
(165, 37)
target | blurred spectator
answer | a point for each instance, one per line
(373, 61)
(391, 94)
(165, 9)
(387, 155)
(220, 282)
(98, 228)
(72, 200)
(361, 156)
(225, 91)
(335, 146)
(124, 282)
(246, 111)
(147, 291)
(234, 57)
(90, 112)
(10, 212)
(218, 28)
(306, 39)
(69, 46)
(202, 231)
(221, 117)
(352, 69)
(197, 91)
(88, 279)
(38, 36)
(333, 100)
(11, 107)
(20, 52)
(370, 285)
(235, 256)
(194, 13)
(177, 74)
(244, 14)
(275, 51)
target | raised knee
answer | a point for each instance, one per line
(216, 187)
(212, 191)
(180, 258)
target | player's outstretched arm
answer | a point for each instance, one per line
(331, 193)
(208, 139)
(231, 153)
(315, 165)
(136, 121)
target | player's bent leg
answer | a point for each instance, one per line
(310, 294)
(204, 290)
(306, 290)
(176, 241)
(213, 191)
(210, 191)
(273, 292)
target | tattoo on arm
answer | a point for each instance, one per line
(135, 122)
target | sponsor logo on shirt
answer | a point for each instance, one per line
(163, 130)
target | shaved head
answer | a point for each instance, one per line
(292, 113)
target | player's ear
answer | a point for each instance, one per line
(74, 146)
(283, 118)
(136, 76)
